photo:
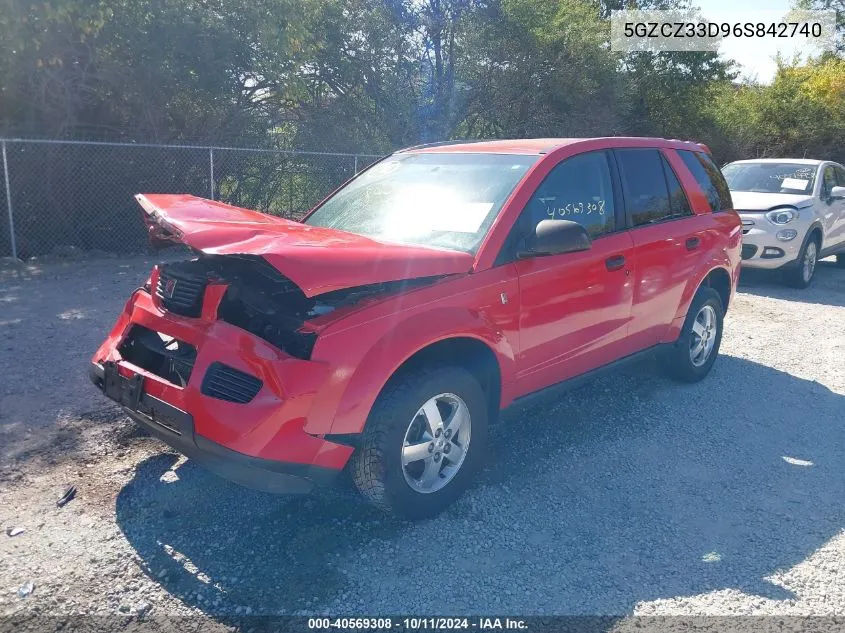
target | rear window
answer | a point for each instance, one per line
(709, 178)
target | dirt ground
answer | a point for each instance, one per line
(631, 495)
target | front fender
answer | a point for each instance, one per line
(357, 382)
(816, 224)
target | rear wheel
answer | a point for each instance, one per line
(801, 274)
(692, 356)
(424, 441)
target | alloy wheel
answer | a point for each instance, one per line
(436, 443)
(809, 264)
(703, 335)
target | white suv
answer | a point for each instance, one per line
(793, 213)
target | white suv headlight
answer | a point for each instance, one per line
(782, 216)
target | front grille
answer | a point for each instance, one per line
(746, 226)
(748, 251)
(180, 291)
(230, 384)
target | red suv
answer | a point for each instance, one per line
(387, 329)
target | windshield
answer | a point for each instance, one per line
(770, 177)
(442, 200)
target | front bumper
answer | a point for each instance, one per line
(267, 442)
(761, 247)
(176, 429)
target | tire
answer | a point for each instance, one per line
(801, 274)
(410, 490)
(678, 362)
(840, 260)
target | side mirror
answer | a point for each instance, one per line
(555, 237)
(837, 193)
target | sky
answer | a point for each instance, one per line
(754, 57)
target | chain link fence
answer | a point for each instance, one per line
(67, 196)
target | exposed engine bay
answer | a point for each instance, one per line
(259, 299)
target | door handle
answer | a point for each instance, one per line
(693, 243)
(615, 263)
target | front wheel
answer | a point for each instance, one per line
(692, 356)
(424, 441)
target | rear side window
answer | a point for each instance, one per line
(652, 191)
(840, 176)
(709, 178)
(677, 196)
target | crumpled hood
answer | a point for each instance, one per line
(753, 201)
(316, 259)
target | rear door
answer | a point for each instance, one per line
(575, 307)
(668, 241)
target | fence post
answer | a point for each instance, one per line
(356, 164)
(211, 165)
(9, 203)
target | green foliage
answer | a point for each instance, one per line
(373, 75)
(802, 112)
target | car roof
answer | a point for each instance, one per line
(797, 161)
(542, 145)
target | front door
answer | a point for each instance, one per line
(575, 307)
(833, 209)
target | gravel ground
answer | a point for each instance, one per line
(631, 495)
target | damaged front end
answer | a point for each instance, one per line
(249, 293)
(245, 291)
(214, 354)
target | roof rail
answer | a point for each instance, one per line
(442, 143)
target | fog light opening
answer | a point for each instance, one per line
(770, 252)
(787, 234)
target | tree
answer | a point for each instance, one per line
(802, 112)
(539, 68)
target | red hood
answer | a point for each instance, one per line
(316, 259)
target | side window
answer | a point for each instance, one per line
(578, 189)
(828, 181)
(840, 176)
(709, 178)
(677, 196)
(644, 184)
